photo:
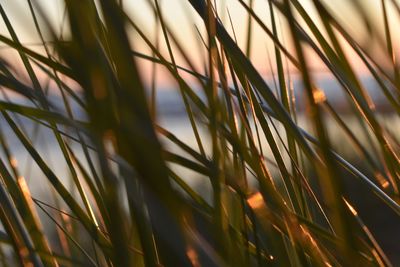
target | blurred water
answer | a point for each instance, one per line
(172, 116)
(44, 141)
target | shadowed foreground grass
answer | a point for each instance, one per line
(280, 195)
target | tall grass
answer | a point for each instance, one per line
(278, 191)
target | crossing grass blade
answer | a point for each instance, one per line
(270, 192)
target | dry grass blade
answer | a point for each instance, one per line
(238, 173)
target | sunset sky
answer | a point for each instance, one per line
(180, 16)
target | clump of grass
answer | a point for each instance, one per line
(278, 194)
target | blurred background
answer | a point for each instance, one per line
(362, 28)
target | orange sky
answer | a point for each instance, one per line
(182, 19)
